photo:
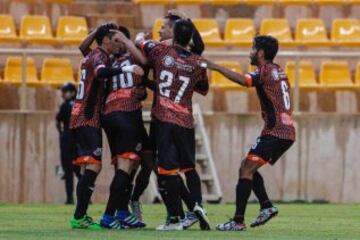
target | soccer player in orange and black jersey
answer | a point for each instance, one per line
(85, 119)
(278, 135)
(177, 76)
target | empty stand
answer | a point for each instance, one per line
(13, 71)
(219, 81)
(307, 78)
(239, 32)
(7, 30)
(209, 31)
(156, 28)
(57, 71)
(312, 33)
(346, 32)
(278, 28)
(335, 74)
(36, 29)
(71, 30)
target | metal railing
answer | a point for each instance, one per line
(297, 55)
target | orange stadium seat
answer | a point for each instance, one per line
(7, 30)
(239, 32)
(156, 28)
(71, 30)
(346, 32)
(306, 72)
(13, 71)
(335, 74)
(219, 81)
(312, 33)
(36, 29)
(209, 31)
(57, 71)
(278, 28)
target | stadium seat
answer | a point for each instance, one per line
(156, 28)
(13, 71)
(346, 32)
(209, 31)
(189, 1)
(36, 29)
(357, 75)
(295, 2)
(224, 2)
(251, 68)
(239, 32)
(164, 2)
(330, 2)
(60, 1)
(71, 30)
(57, 71)
(219, 81)
(335, 74)
(306, 72)
(312, 33)
(7, 30)
(258, 2)
(278, 28)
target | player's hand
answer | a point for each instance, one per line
(109, 25)
(175, 12)
(133, 69)
(119, 35)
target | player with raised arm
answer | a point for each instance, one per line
(193, 195)
(177, 75)
(85, 119)
(278, 135)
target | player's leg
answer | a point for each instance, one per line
(89, 141)
(185, 142)
(168, 171)
(267, 210)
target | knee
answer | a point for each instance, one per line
(246, 170)
(94, 167)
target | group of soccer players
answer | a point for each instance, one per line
(114, 79)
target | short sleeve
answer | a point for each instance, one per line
(151, 48)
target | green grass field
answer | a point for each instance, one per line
(295, 221)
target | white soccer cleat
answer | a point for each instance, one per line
(170, 227)
(231, 226)
(264, 216)
(189, 220)
(202, 217)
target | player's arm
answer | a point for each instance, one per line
(60, 116)
(85, 44)
(197, 45)
(202, 86)
(246, 80)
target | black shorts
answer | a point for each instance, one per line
(89, 145)
(175, 148)
(126, 134)
(268, 149)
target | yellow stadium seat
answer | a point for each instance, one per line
(164, 2)
(239, 32)
(306, 73)
(219, 81)
(278, 28)
(209, 31)
(36, 29)
(189, 1)
(357, 75)
(57, 71)
(258, 2)
(330, 2)
(224, 2)
(71, 30)
(251, 68)
(60, 1)
(346, 32)
(312, 33)
(335, 74)
(295, 2)
(13, 71)
(7, 30)
(156, 28)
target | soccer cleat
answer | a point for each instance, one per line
(136, 209)
(189, 220)
(231, 226)
(110, 222)
(129, 220)
(84, 223)
(202, 217)
(264, 216)
(172, 224)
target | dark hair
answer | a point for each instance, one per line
(268, 44)
(68, 87)
(102, 32)
(172, 19)
(183, 31)
(125, 31)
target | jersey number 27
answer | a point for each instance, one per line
(166, 80)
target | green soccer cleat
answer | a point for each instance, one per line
(84, 223)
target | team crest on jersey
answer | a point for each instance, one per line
(275, 74)
(138, 147)
(168, 61)
(97, 152)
